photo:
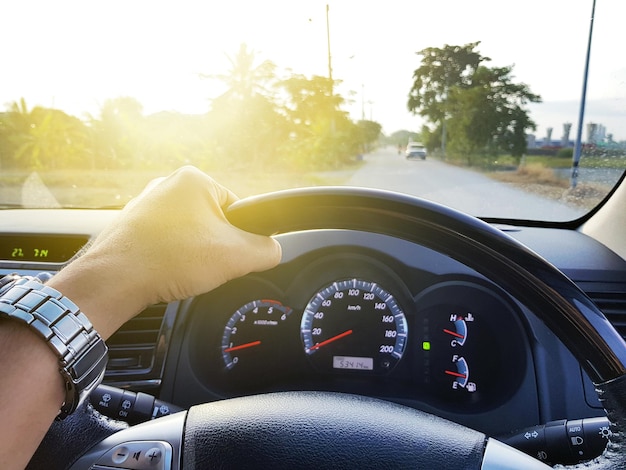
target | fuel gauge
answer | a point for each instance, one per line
(461, 374)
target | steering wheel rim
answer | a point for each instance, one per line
(551, 295)
(555, 299)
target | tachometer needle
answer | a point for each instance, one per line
(242, 346)
(453, 333)
(330, 340)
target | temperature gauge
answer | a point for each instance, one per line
(458, 331)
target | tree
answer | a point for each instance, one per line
(370, 133)
(490, 115)
(322, 135)
(118, 134)
(245, 79)
(43, 138)
(481, 108)
(442, 69)
(245, 123)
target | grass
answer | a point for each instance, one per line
(533, 173)
(104, 188)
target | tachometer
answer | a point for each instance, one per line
(252, 331)
(354, 325)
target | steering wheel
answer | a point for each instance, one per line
(327, 430)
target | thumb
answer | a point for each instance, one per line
(260, 253)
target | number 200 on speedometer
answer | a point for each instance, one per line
(354, 325)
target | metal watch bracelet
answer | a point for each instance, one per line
(68, 332)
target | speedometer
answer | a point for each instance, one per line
(354, 325)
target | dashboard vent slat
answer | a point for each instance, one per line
(136, 349)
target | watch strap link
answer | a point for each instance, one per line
(82, 352)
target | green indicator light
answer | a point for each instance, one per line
(426, 345)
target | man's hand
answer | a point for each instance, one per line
(172, 242)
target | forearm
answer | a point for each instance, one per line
(32, 389)
(30, 401)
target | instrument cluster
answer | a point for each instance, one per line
(357, 323)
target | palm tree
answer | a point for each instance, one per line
(247, 123)
(245, 79)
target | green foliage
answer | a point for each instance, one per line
(257, 121)
(431, 139)
(481, 108)
(440, 70)
(369, 133)
(42, 137)
(567, 152)
(321, 134)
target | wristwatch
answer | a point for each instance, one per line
(81, 351)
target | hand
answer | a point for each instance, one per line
(172, 242)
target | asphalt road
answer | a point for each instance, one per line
(466, 190)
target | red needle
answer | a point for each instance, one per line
(242, 346)
(453, 333)
(455, 374)
(330, 340)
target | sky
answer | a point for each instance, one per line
(73, 55)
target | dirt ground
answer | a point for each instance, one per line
(585, 195)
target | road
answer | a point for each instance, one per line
(466, 190)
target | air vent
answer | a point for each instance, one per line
(613, 305)
(137, 350)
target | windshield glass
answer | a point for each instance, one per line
(100, 97)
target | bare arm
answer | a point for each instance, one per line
(173, 242)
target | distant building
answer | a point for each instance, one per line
(596, 134)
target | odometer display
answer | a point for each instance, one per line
(354, 326)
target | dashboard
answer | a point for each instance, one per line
(378, 317)
(369, 314)
(356, 312)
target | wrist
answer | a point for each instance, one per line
(58, 323)
(101, 292)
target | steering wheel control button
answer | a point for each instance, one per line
(138, 455)
(153, 456)
(120, 455)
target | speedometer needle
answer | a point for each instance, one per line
(242, 346)
(330, 340)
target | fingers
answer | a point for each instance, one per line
(265, 252)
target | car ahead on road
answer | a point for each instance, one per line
(415, 150)
(396, 332)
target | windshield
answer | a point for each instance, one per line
(100, 97)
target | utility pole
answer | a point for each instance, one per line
(581, 114)
(330, 67)
(330, 70)
(362, 102)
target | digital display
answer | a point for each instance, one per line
(40, 248)
(355, 363)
